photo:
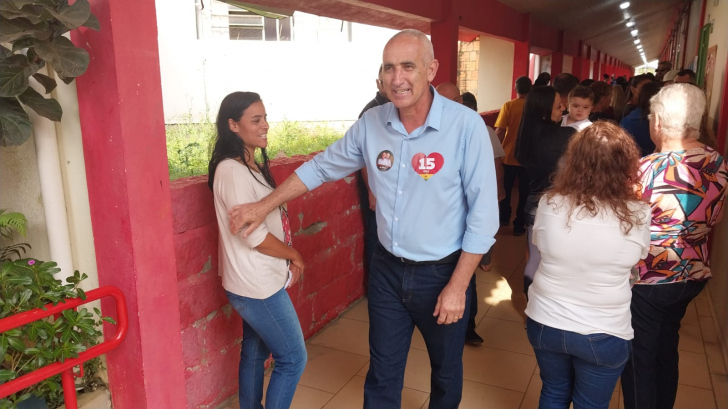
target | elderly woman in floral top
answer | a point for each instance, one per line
(685, 184)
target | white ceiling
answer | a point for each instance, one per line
(602, 24)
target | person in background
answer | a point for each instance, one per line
(633, 93)
(602, 100)
(587, 82)
(564, 83)
(686, 76)
(637, 124)
(618, 101)
(543, 79)
(591, 228)
(623, 83)
(581, 100)
(469, 101)
(540, 144)
(663, 67)
(257, 268)
(367, 199)
(669, 76)
(506, 127)
(452, 92)
(685, 184)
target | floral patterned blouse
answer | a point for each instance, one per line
(687, 191)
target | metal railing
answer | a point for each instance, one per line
(65, 368)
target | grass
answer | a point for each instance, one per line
(189, 144)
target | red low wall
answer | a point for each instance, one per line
(327, 231)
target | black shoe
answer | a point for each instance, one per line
(519, 231)
(472, 338)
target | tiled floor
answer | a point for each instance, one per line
(502, 373)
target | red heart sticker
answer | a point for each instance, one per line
(427, 165)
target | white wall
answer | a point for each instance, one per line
(495, 75)
(718, 15)
(568, 61)
(694, 23)
(315, 78)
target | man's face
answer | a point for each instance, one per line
(579, 108)
(661, 70)
(406, 75)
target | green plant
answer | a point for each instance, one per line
(34, 31)
(27, 284)
(189, 144)
(9, 223)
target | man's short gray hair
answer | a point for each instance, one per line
(680, 108)
(419, 35)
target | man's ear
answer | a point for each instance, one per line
(432, 69)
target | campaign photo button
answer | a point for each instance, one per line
(385, 160)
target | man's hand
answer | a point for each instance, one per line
(246, 216)
(372, 201)
(501, 193)
(450, 305)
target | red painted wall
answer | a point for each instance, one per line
(327, 230)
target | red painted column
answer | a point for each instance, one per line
(122, 123)
(586, 62)
(445, 42)
(723, 116)
(598, 67)
(521, 62)
(557, 63)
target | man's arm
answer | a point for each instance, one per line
(338, 160)
(501, 132)
(479, 186)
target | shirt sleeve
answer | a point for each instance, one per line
(498, 151)
(479, 185)
(502, 121)
(340, 159)
(234, 188)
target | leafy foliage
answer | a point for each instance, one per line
(9, 223)
(189, 145)
(34, 30)
(27, 284)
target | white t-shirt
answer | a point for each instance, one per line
(578, 125)
(244, 270)
(582, 283)
(498, 151)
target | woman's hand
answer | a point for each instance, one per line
(296, 268)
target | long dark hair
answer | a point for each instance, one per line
(228, 145)
(648, 91)
(536, 119)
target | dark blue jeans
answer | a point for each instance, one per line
(402, 296)
(574, 367)
(269, 326)
(651, 376)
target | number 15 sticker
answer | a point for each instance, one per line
(427, 165)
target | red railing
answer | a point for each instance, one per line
(65, 368)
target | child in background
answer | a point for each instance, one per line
(581, 101)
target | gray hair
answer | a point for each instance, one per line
(680, 108)
(419, 35)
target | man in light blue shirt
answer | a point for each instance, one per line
(431, 170)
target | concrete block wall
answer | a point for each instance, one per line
(327, 230)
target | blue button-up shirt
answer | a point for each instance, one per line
(435, 187)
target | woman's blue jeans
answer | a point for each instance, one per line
(574, 367)
(269, 326)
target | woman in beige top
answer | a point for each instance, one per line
(256, 270)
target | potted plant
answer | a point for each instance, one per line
(26, 284)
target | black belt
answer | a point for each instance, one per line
(449, 259)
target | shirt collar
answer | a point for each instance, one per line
(434, 117)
